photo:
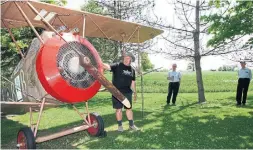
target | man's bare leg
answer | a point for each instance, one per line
(119, 119)
(129, 114)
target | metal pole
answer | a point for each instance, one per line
(31, 119)
(140, 67)
(29, 22)
(38, 122)
(87, 109)
(84, 19)
(13, 39)
(81, 115)
(60, 134)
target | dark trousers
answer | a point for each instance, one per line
(173, 88)
(242, 87)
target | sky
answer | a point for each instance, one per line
(164, 10)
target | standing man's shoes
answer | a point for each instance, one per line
(120, 128)
(134, 128)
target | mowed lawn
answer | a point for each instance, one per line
(216, 124)
(213, 82)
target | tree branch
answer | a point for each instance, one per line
(181, 46)
(185, 4)
(186, 17)
(212, 50)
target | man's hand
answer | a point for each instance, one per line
(135, 96)
(106, 66)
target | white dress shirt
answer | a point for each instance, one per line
(245, 73)
(174, 76)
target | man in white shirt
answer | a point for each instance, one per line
(245, 76)
(174, 78)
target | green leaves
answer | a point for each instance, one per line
(93, 7)
(238, 20)
(9, 52)
(146, 64)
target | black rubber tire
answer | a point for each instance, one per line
(103, 134)
(100, 122)
(30, 140)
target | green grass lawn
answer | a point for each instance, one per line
(213, 82)
(216, 124)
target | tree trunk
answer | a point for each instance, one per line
(193, 66)
(201, 91)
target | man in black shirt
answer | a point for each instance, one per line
(123, 78)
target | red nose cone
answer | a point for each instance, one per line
(59, 72)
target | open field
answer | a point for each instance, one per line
(216, 124)
(213, 82)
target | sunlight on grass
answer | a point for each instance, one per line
(217, 124)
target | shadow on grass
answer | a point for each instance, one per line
(195, 132)
(182, 107)
(10, 129)
(165, 128)
(249, 101)
(186, 132)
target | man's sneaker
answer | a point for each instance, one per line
(134, 128)
(120, 129)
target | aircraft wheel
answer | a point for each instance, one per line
(98, 127)
(103, 134)
(25, 139)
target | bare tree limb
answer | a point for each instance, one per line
(186, 17)
(181, 46)
(185, 4)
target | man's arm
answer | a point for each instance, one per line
(106, 66)
(179, 76)
(133, 86)
(168, 78)
(250, 75)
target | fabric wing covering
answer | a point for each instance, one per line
(59, 16)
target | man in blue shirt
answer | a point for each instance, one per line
(174, 78)
(245, 76)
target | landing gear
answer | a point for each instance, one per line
(25, 139)
(97, 129)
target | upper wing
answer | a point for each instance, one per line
(58, 16)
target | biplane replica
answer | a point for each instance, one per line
(61, 66)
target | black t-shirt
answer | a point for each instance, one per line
(122, 77)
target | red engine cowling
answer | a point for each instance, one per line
(59, 72)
